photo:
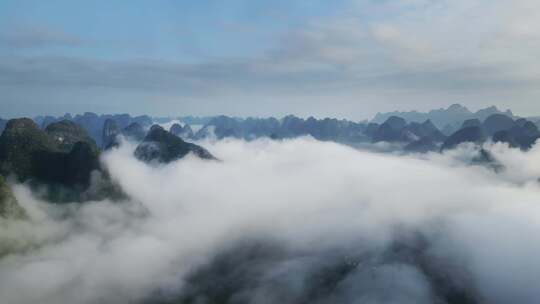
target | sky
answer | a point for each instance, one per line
(342, 58)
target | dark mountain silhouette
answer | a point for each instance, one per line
(474, 122)
(110, 132)
(134, 131)
(522, 121)
(371, 128)
(221, 127)
(289, 127)
(94, 123)
(469, 134)
(9, 207)
(454, 114)
(162, 146)
(184, 132)
(66, 134)
(31, 155)
(425, 130)
(522, 135)
(396, 129)
(497, 122)
(391, 130)
(22, 144)
(449, 129)
(176, 129)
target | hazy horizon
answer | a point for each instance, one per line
(172, 115)
(346, 58)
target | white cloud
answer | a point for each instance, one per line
(309, 196)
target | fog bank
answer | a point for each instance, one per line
(293, 221)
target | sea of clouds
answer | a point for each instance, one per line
(293, 221)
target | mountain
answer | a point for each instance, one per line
(164, 147)
(391, 130)
(184, 132)
(134, 131)
(523, 134)
(31, 155)
(448, 129)
(520, 133)
(192, 120)
(469, 134)
(442, 118)
(425, 130)
(497, 122)
(473, 122)
(403, 127)
(221, 127)
(66, 134)
(290, 126)
(483, 114)
(94, 123)
(9, 207)
(396, 129)
(22, 144)
(110, 132)
(371, 129)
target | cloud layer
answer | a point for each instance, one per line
(398, 222)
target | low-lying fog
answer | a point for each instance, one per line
(296, 221)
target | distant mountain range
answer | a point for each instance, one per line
(453, 116)
(61, 153)
(416, 131)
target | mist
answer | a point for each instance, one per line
(292, 221)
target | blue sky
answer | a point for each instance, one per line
(169, 30)
(344, 58)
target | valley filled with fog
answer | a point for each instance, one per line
(290, 221)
